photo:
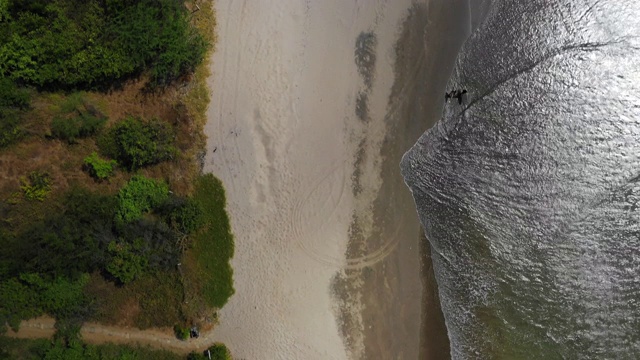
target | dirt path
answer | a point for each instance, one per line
(93, 333)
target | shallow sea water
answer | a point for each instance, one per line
(529, 192)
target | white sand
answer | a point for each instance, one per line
(282, 120)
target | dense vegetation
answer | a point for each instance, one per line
(90, 233)
(90, 43)
(136, 143)
(81, 241)
(44, 349)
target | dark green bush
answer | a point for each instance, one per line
(187, 217)
(125, 264)
(13, 102)
(156, 242)
(13, 96)
(67, 243)
(136, 143)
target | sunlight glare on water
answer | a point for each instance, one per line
(529, 191)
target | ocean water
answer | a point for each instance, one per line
(529, 192)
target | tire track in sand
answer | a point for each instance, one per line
(331, 187)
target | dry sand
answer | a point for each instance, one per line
(327, 262)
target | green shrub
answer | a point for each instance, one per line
(220, 352)
(98, 168)
(182, 332)
(136, 143)
(138, 196)
(36, 186)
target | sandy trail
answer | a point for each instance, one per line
(93, 333)
(287, 136)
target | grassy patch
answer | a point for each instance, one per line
(153, 300)
(213, 246)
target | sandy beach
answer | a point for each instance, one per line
(313, 105)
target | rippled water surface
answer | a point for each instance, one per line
(530, 191)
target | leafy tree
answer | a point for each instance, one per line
(17, 302)
(30, 295)
(125, 264)
(59, 296)
(4, 10)
(61, 351)
(10, 94)
(155, 241)
(138, 196)
(71, 43)
(68, 243)
(157, 33)
(136, 143)
(98, 168)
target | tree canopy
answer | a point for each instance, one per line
(86, 43)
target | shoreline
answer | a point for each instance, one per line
(307, 143)
(401, 315)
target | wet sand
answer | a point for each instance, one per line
(313, 105)
(401, 312)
